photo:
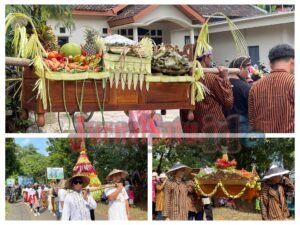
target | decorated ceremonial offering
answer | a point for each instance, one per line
(224, 180)
(84, 167)
(111, 73)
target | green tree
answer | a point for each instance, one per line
(107, 156)
(61, 155)
(260, 153)
(34, 165)
(12, 164)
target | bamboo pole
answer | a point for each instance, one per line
(102, 187)
(26, 62)
(215, 70)
(13, 61)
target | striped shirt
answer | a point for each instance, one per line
(271, 103)
(176, 204)
(208, 114)
(273, 201)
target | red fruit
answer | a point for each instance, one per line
(58, 56)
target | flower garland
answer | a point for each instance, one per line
(219, 184)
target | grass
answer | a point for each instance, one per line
(135, 213)
(7, 208)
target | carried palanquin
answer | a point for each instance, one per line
(114, 73)
(224, 180)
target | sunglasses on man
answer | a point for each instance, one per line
(77, 182)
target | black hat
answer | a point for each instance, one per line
(281, 51)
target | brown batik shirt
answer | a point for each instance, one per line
(208, 114)
(175, 204)
(271, 103)
(273, 201)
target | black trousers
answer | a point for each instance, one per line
(208, 212)
(92, 212)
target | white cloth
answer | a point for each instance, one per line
(206, 201)
(117, 207)
(76, 208)
(31, 192)
(50, 206)
(39, 192)
(61, 198)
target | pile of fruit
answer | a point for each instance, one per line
(168, 61)
(75, 58)
(225, 171)
(224, 163)
(227, 176)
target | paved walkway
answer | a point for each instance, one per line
(21, 211)
(113, 120)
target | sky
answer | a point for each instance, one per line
(39, 143)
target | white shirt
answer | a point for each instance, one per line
(31, 191)
(117, 207)
(76, 208)
(39, 192)
(61, 198)
(206, 201)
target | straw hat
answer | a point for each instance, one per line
(162, 175)
(179, 166)
(85, 181)
(274, 171)
(116, 171)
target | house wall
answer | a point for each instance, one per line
(166, 28)
(177, 36)
(166, 11)
(77, 35)
(265, 37)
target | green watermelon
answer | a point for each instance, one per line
(70, 49)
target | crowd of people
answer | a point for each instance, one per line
(72, 199)
(238, 104)
(174, 196)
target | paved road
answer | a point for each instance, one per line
(113, 119)
(21, 211)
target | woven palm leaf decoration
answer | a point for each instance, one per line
(202, 45)
(29, 47)
(83, 166)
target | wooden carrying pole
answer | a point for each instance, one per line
(12, 61)
(215, 70)
(102, 187)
